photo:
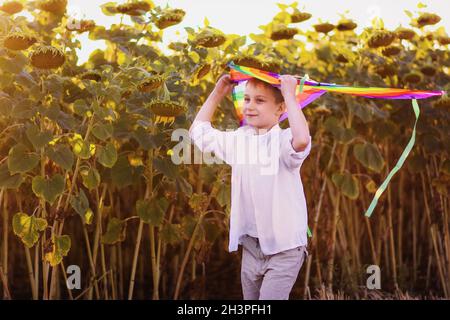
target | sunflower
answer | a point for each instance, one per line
(405, 33)
(428, 70)
(91, 75)
(324, 27)
(346, 25)
(381, 38)
(426, 19)
(170, 17)
(125, 94)
(210, 37)
(341, 58)
(151, 83)
(166, 111)
(444, 40)
(81, 26)
(251, 61)
(281, 32)
(413, 77)
(299, 16)
(18, 41)
(177, 46)
(386, 70)
(391, 51)
(53, 6)
(136, 8)
(11, 7)
(202, 70)
(47, 57)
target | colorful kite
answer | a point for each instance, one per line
(309, 90)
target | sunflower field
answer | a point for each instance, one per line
(87, 179)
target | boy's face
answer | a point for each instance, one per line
(260, 108)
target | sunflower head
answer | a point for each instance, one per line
(391, 51)
(81, 26)
(281, 32)
(444, 40)
(413, 77)
(298, 16)
(170, 17)
(166, 111)
(346, 25)
(18, 41)
(426, 19)
(47, 57)
(11, 7)
(265, 64)
(405, 33)
(177, 46)
(136, 8)
(202, 70)
(151, 83)
(381, 38)
(91, 75)
(53, 6)
(210, 37)
(324, 27)
(386, 70)
(428, 70)
(341, 58)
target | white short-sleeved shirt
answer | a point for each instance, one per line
(266, 169)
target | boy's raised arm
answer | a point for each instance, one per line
(223, 87)
(297, 121)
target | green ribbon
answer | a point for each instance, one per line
(399, 162)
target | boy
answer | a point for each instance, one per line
(268, 211)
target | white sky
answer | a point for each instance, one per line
(245, 16)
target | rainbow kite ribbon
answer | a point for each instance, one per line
(309, 90)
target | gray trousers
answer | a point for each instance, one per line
(269, 277)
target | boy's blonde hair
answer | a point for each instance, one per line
(275, 91)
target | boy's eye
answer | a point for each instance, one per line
(257, 100)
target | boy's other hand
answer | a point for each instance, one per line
(288, 85)
(224, 85)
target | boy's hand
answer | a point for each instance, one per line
(288, 85)
(224, 85)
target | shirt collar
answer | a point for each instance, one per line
(252, 130)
